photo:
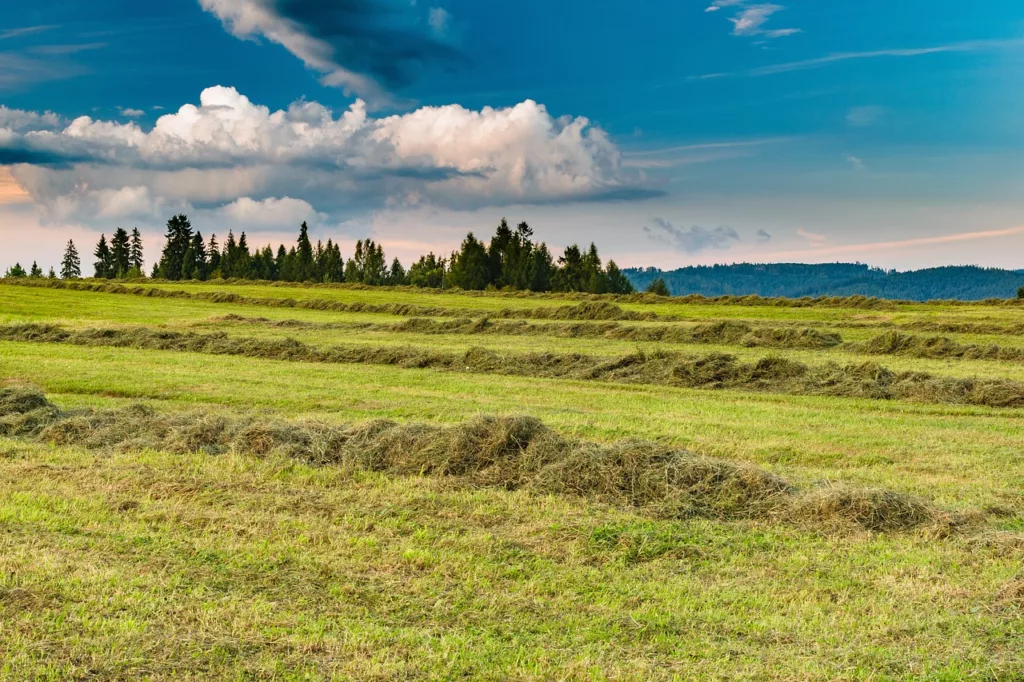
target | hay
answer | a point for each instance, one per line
(934, 347)
(715, 370)
(509, 453)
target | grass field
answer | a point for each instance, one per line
(154, 543)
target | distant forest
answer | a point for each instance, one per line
(794, 280)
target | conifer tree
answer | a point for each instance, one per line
(135, 260)
(120, 252)
(617, 282)
(470, 266)
(658, 287)
(104, 264)
(543, 268)
(240, 264)
(15, 271)
(304, 270)
(356, 265)
(228, 255)
(496, 252)
(396, 274)
(569, 275)
(213, 256)
(36, 271)
(52, 274)
(71, 265)
(427, 272)
(179, 237)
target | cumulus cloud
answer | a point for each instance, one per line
(368, 47)
(691, 240)
(17, 120)
(227, 147)
(131, 113)
(271, 212)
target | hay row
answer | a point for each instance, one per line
(587, 310)
(725, 332)
(713, 371)
(508, 453)
(934, 347)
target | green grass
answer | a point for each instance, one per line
(119, 565)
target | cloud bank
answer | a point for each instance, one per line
(228, 148)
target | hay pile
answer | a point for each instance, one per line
(509, 453)
(936, 347)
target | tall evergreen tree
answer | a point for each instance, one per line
(543, 269)
(470, 266)
(304, 270)
(228, 255)
(240, 264)
(496, 251)
(71, 265)
(617, 281)
(356, 265)
(592, 277)
(135, 260)
(396, 274)
(569, 275)
(179, 238)
(104, 264)
(213, 255)
(194, 264)
(52, 274)
(36, 271)
(120, 252)
(15, 271)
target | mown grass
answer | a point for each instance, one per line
(120, 564)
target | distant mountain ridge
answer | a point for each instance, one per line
(795, 280)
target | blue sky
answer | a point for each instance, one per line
(669, 132)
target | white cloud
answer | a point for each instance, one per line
(227, 148)
(751, 18)
(131, 113)
(856, 162)
(271, 212)
(439, 20)
(18, 120)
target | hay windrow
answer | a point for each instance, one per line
(724, 333)
(934, 347)
(510, 453)
(715, 370)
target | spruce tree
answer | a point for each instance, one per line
(104, 264)
(496, 251)
(71, 265)
(15, 271)
(304, 270)
(240, 266)
(617, 281)
(228, 255)
(543, 268)
(569, 275)
(396, 274)
(179, 237)
(470, 266)
(356, 265)
(120, 252)
(135, 259)
(36, 271)
(52, 274)
(213, 256)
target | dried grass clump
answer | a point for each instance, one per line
(24, 411)
(511, 453)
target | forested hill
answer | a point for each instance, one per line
(834, 279)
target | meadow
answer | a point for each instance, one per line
(254, 481)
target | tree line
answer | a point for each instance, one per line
(511, 259)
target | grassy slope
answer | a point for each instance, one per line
(122, 565)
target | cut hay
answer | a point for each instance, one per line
(509, 453)
(715, 370)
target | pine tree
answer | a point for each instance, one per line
(396, 274)
(104, 264)
(15, 271)
(228, 255)
(356, 265)
(36, 271)
(240, 264)
(543, 269)
(135, 259)
(617, 281)
(52, 274)
(496, 251)
(569, 275)
(304, 270)
(120, 252)
(470, 266)
(194, 265)
(71, 265)
(179, 237)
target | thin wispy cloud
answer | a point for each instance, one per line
(73, 48)
(812, 237)
(24, 31)
(856, 162)
(818, 62)
(822, 251)
(751, 18)
(862, 117)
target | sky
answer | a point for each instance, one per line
(668, 132)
